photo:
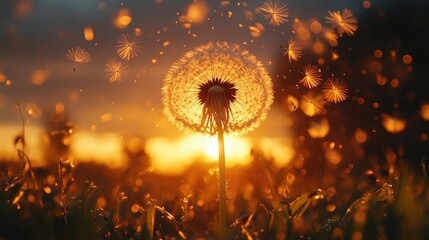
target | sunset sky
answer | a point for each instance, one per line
(34, 71)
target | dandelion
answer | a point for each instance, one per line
(344, 22)
(335, 90)
(293, 50)
(115, 70)
(233, 73)
(78, 55)
(313, 76)
(128, 46)
(217, 88)
(276, 11)
(312, 104)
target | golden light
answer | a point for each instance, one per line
(186, 150)
(318, 129)
(123, 18)
(303, 33)
(292, 103)
(101, 148)
(318, 47)
(33, 143)
(331, 36)
(316, 27)
(257, 30)
(407, 59)
(392, 124)
(2, 77)
(360, 136)
(33, 110)
(394, 83)
(40, 76)
(166, 43)
(312, 104)
(59, 108)
(237, 150)
(138, 32)
(375, 67)
(333, 156)
(197, 12)
(378, 53)
(280, 150)
(381, 80)
(88, 33)
(106, 117)
(424, 111)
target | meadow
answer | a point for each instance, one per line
(203, 119)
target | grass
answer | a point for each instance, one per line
(95, 202)
(91, 201)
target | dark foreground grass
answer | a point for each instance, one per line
(90, 201)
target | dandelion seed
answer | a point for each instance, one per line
(128, 46)
(276, 12)
(312, 104)
(78, 55)
(223, 70)
(293, 50)
(344, 22)
(313, 76)
(115, 70)
(335, 90)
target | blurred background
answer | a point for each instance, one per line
(73, 113)
(382, 64)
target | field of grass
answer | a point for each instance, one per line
(91, 201)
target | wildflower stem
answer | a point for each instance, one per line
(222, 183)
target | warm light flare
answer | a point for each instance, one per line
(186, 150)
(123, 18)
(197, 12)
(88, 34)
(312, 104)
(318, 129)
(40, 76)
(279, 150)
(424, 111)
(101, 148)
(393, 124)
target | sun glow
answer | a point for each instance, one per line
(186, 150)
(102, 148)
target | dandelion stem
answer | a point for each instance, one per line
(222, 183)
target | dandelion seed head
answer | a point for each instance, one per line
(293, 50)
(335, 90)
(128, 46)
(343, 21)
(312, 76)
(276, 12)
(115, 70)
(217, 85)
(78, 55)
